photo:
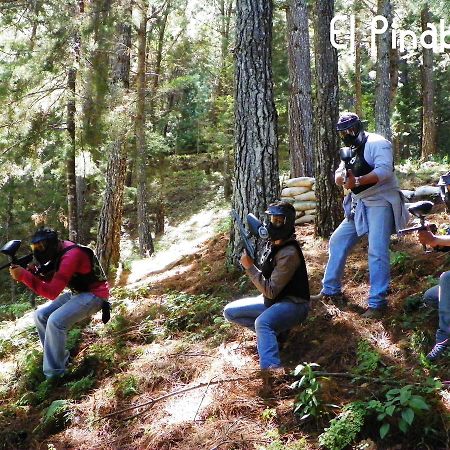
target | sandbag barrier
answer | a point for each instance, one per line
(301, 193)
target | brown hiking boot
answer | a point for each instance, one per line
(374, 313)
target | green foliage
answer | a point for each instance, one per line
(399, 259)
(126, 386)
(31, 369)
(14, 310)
(6, 347)
(268, 414)
(56, 417)
(73, 338)
(186, 312)
(367, 358)
(307, 402)
(399, 409)
(82, 386)
(345, 427)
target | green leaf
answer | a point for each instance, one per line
(417, 402)
(408, 415)
(384, 430)
(403, 426)
(390, 410)
(405, 395)
(380, 417)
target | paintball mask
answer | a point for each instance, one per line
(444, 184)
(281, 223)
(44, 245)
(351, 130)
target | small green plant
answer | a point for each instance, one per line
(6, 347)
(79, 387)
(345, 427)
(278, 444)
(56, 417)
(367, 358)
(268, 414)
(127, 386)
(399, 259)
(307, 402)
(31, 368)
(399, 410)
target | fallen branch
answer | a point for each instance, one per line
(171, 394)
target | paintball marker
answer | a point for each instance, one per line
(420, 210)
(346, 154)
(10, 250)
(245, 236)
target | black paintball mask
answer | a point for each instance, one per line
(351, 130)
(444, 185)
(44, 245)
(280, 224)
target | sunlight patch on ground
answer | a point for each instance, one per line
(180, 241)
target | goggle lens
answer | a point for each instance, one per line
(37, 246)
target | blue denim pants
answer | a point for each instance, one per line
(381, 225)
(440, 295)
(267, 323)
(54, 319)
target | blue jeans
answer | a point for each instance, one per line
(267, 322)
(441, 295)
(381, 225)
(53, 321)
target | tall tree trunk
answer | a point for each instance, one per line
(300, 97)
(256, 154)
(428, 112)
(108, 237)
(143, 210)
(71, 185)
(358, 69)
(329, 210)
(383, 84)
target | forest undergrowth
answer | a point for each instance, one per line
(167, 372)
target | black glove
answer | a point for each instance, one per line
(106, 311)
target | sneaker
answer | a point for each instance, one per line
(374, 313)
(338, 300)
(438, 350)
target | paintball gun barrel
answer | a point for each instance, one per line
(10, 249)
(245, 236)
(420, 210)
(346, 154)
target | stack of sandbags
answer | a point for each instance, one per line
(300, 192)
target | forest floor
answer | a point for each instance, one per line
(168, 372)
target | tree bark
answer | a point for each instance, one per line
(108, 237)
(358, 54)
(329, 210)
(300, 98)
(256, 153)
(143, 210)
(383, 84)
(428, 111)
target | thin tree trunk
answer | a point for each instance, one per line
(329, 210)
(8, 227)
(300, 97)
(428, 111)
(256, 155)
(383, 84)
(108, 237)
(358, 69)
(143, 210)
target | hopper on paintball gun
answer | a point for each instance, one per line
(10, 249)
(420, 210)
(346, 154)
